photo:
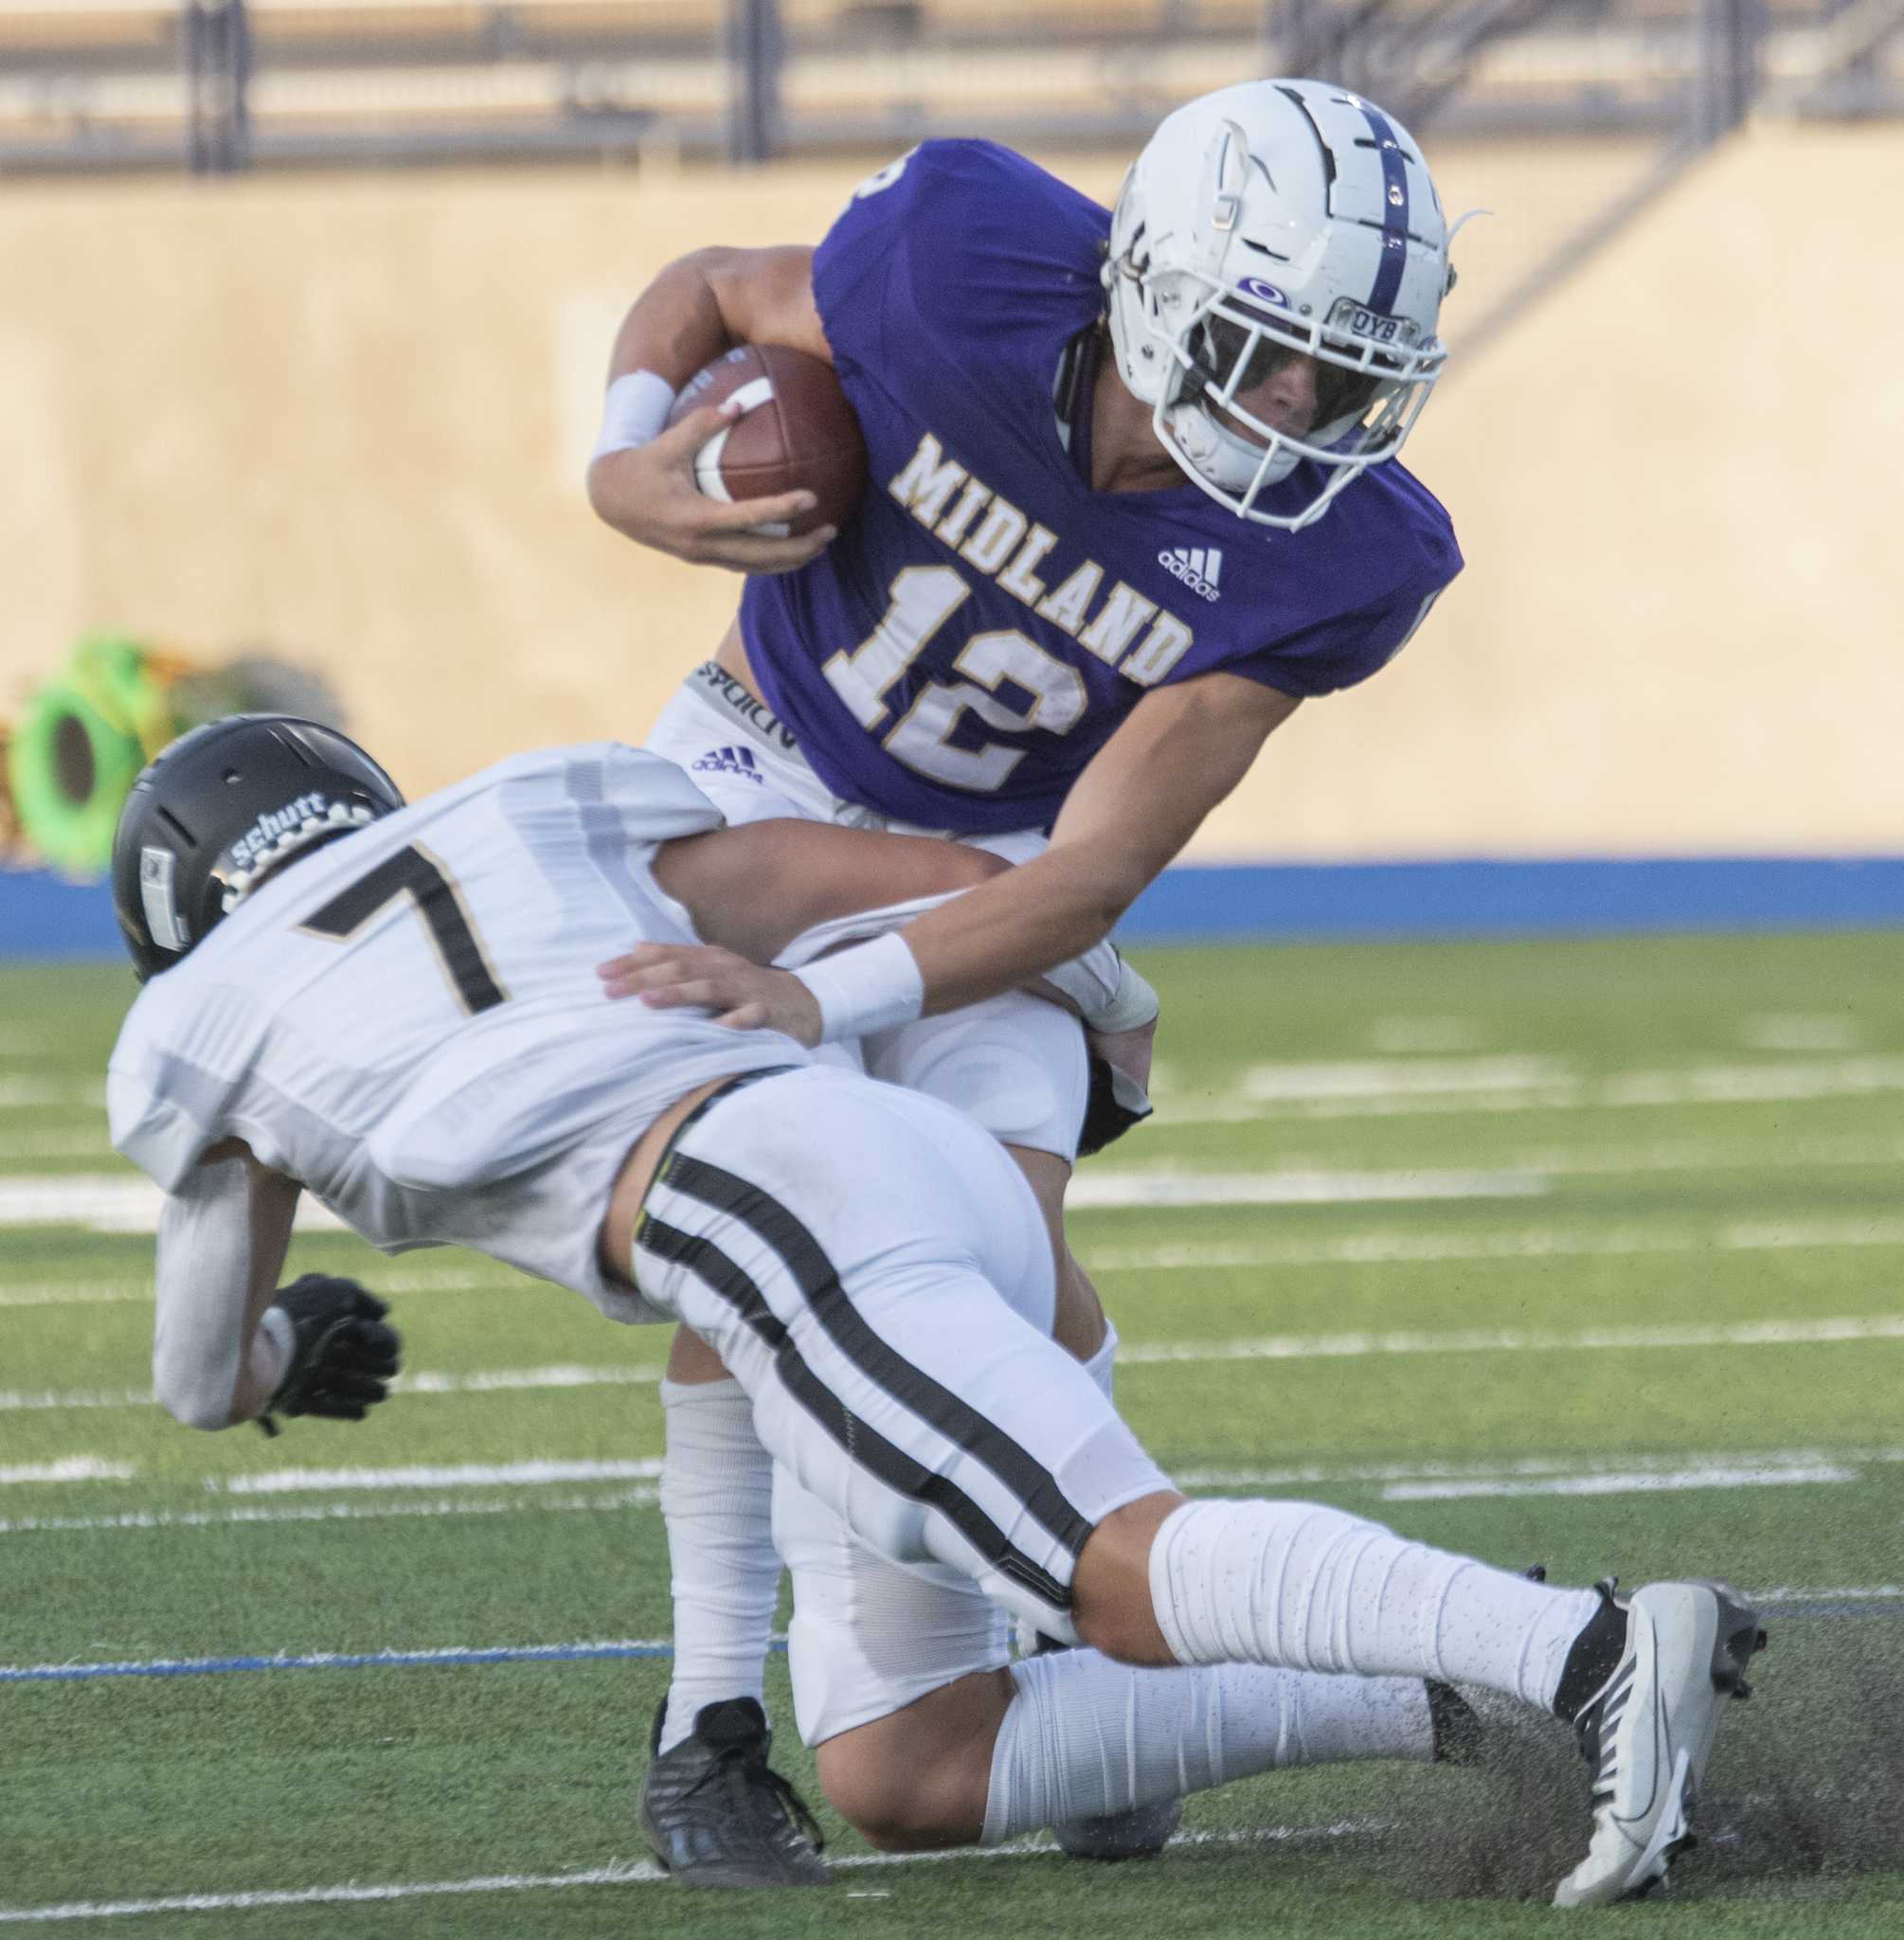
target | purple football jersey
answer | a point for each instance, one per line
(977, 631)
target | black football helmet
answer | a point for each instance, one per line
(219, 806)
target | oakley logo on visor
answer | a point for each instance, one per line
(1263, 292)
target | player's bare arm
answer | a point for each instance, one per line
(816, 872)
(699, 306)
(1180, 752)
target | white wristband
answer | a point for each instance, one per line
(635, 413)
(870, 987)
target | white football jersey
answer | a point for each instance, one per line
(409, 1021)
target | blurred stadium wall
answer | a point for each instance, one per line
(349, 415)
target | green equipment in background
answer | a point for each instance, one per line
(85, 733)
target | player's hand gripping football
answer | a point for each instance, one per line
(342, 1356)
(650, 494)
(702, 977)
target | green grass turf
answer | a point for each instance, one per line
(1647, 1215)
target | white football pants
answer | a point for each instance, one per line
(874, 1270)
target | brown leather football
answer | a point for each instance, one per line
(796, 432)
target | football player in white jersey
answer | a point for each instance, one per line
(1132, 498)
(389, 1006)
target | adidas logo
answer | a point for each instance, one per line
(1197, 567)
(730, 760)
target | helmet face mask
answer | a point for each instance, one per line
(1266, 222)
(219, 810)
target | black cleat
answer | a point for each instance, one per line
(714, 1813)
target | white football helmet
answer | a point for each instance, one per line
(1270, 219)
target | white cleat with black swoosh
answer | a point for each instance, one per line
(1648, 1730)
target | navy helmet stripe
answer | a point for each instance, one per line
(1394, 213)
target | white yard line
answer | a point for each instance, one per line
(73, 1468)
(1103, 1190)
(1398, 1087)
(18, 1401)
(1356, 1249)
(1864, 1592)
(482, 1381)
(1288, 1084)
(280, 1482)
(1140, 1353)
(640, 1498)
(108, 1203)
(505, 1380)
(1537, 1242)
(1551, 1475)
(1631, 1484)
(386, 1657)
(76, 1293)
(616, 1873)
(1513, 1340)
(61, 1293)
(1704, 1154)
(1563, 1468)
(38, 1094)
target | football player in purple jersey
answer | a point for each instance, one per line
(1133, 499)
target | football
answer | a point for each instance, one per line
(795, 432)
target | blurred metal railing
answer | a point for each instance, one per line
(217, 85)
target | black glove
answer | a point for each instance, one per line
(342, 1356)
(1114, 1103)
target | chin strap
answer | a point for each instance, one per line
(1225, 458)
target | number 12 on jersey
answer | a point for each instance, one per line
(924, 598)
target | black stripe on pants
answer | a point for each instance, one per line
(871, 1450)
(960, 1424)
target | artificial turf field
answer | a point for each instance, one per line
(1578, 1252)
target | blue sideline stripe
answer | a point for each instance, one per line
(1576, 897)
(41, 917)
(586, 1653)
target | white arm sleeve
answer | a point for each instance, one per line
(1109, 992)
(203, 1278)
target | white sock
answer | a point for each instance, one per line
(1313, 1588)
(1084, 1737)
(717, 1494)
